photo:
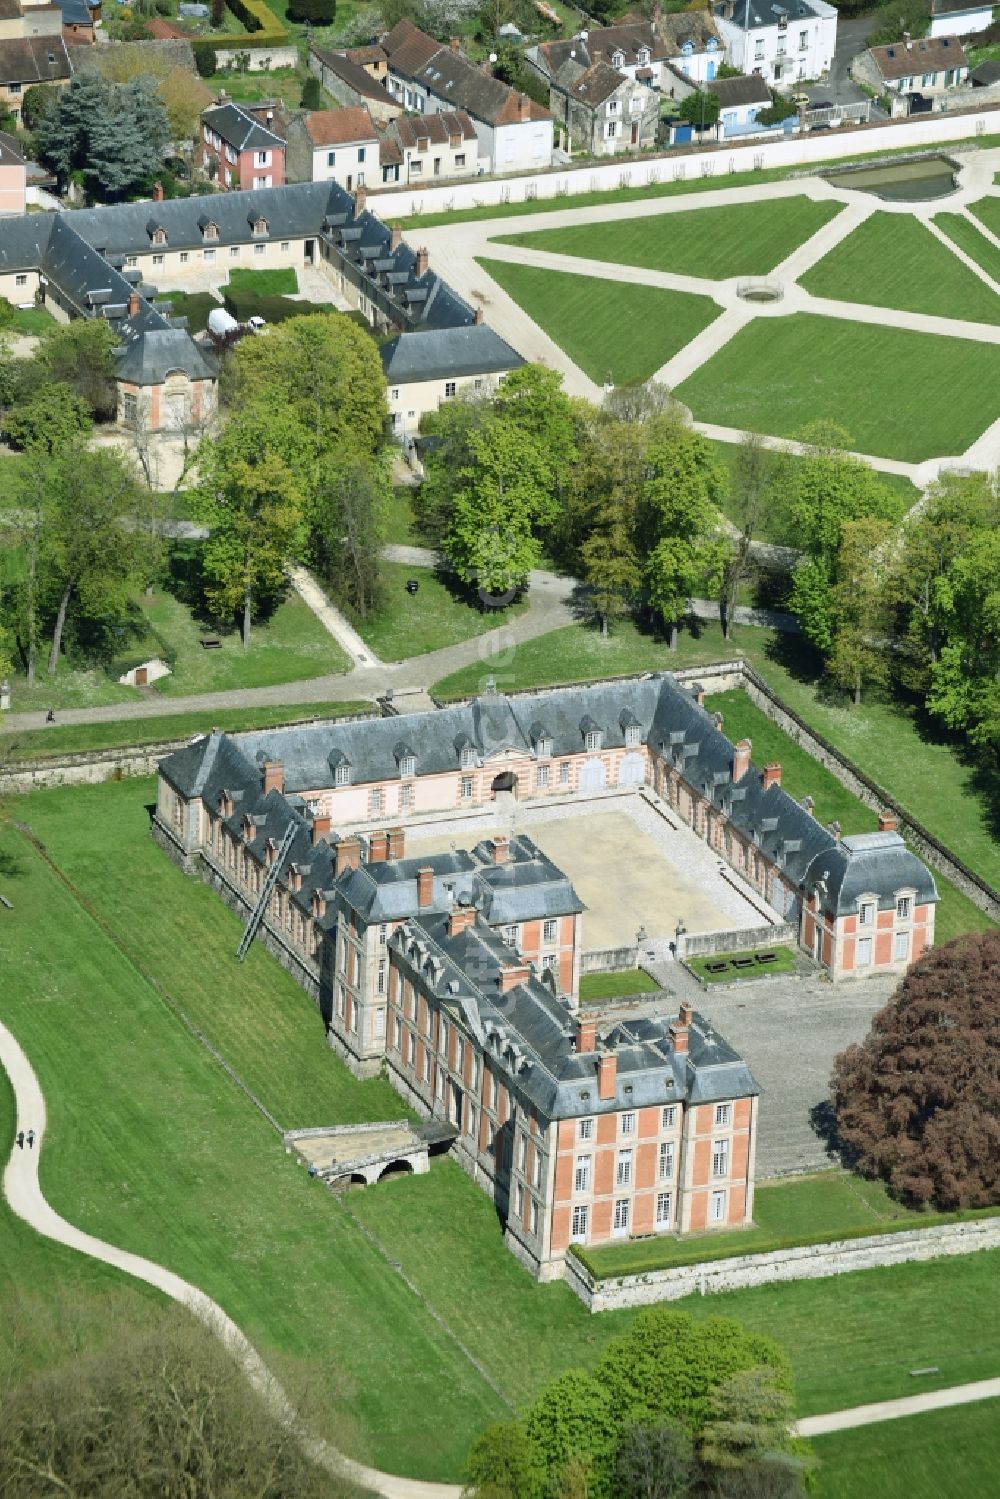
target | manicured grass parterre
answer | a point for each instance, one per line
(67, 739)
(936, 1455)
(597, 986)
(281, 281)
(987, 211)
(718, 968)
(893, 260)
(962, 232)
(883, 385)
(748, 239)
(440, 613)
(790, 1213)
(585, 316)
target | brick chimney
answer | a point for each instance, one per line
(321, 829)
(698, 693)
(423, 261)
(741, 759)
(378, 847)
(524, 108)
(360, 199)
(771, 776)
(425, 886)
(395, 237)
(294, 877)
(834, 828)
(318, 905)
(887, 823)
(586, 1033)
(607, 1075)
(808, 805)
(274, 776)
(679, 1028)
(478, 317)
(157, 192)
(348, 855)
(460, 918)
(513, 974)
(133, 303)
(397, 843)
(500, 847)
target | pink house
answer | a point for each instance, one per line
(12, 176)
(247, 154)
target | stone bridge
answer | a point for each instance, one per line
(357, 1155)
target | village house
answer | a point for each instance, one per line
(342, 145)
(740, 102)
(912, 70)
(350, 83)
(959, 18)
(32, 58)
(782, 43)
(458, 973)
(651, 52)
(428, 148)
(514, 133)
(246, 154)
(422, 373)
(605, 112)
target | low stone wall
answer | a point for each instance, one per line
(814, 1262)
(261, 59)
(87, 769)
(609, 959)
(704, 944)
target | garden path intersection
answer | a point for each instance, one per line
(456, 249)
(23, 1194)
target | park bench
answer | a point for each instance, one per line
(717, 967)
(765, 957)
(211, 642)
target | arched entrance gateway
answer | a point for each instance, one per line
(506, 781)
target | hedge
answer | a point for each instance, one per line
(244, 305)
(258, 19)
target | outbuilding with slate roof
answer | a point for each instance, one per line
(424, 369)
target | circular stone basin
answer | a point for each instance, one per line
(759, 291)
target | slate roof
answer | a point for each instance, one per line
(928, 54)
(448, 353)
(733, 92)
(449, 75)
(354, 76)
(955, 7)
(753, 14)
(985, 73)
(25, 59)
(597, 84)
(76, 12)
(241, 130)
(340, 127)
(160, 351)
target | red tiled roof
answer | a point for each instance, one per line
(340, 127)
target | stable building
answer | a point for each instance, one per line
(422, 372)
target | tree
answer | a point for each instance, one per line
(345, 519)
(656, 1460)
(114, 133)
(830, 488)
(667, 1365)
(504, 1464)
(700, 108)
(679, 527)
(611, 570)
(860, 606)
(601, 517)
(639, 402)
(491, 543)
(750, 1425)
(79, 355)
(251, 493)
(24, 525)
(87, 555)
(51, 417)
(532, 405)
(318, 12)
(153, 1405)
(759, 474)
(311, 93)
(571, 1427)
(451, 426)
(918, 1102)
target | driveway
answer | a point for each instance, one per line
(840, 88)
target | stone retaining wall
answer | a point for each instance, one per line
(704, 944)
(813, 1262)
(87, 769)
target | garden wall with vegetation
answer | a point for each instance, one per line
(851, 776)
(862, 1251)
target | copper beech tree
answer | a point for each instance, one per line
(918, 1103)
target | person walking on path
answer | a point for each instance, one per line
(19, 1137)
(30, 1137)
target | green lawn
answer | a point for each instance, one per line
(576, 653)
(585, 316)
(398, 522)
(797, 1211)
(939, 1455)
(35, 321)
(436, 615)
(784, 962)
(987, 211)
(254, 88)
(749, 239)
(153, 1147)
(67, 739)
(893, 260)
(882, 385)
(596, 986)
(279, 282)
(967, 237)
(194, 305)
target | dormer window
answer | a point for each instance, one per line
(466, 754)
(592, 739)
(210, 230)
(687, 49)
(633, 736)
(342, 774)
(643, 56)
(408, 765)
(225, 804)
(258, 227)
(617, 59)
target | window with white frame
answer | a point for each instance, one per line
(564, 773)
(803, 40)
(439, 1083)
(398, 1033)
(522, 1151)
(541, 775)
(375, 800)
(342, 774)
(550, 931)
(717, 1208)
(723, 1113)
(592, 739)
(185, 257)
(467, 789)
(548, 962)
(621, 1215)
(581, 1174)
(623, 1170)
(406, 797)
(381, 979)
(720, 1158)
(578, 1232)
(758, 50)
(666, 1161)
(866, 913)
(904, 907)
(633, 735)
(331, 158)
(509, 935)
(383, 934)
(586, 1129)
(536, 1168)
(285, 245)
(234, 252)
(21, 280)
(208, 255)
(459, 1055)
(864, 951)
(902, 948)
(664, 1204)
(131, 261)
(157, 259)
(130, 408)
(259, 250)
(611, 129)
(668, 1118)
(519, 1202)
(628, 1124)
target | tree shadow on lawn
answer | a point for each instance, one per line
(184, 580)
